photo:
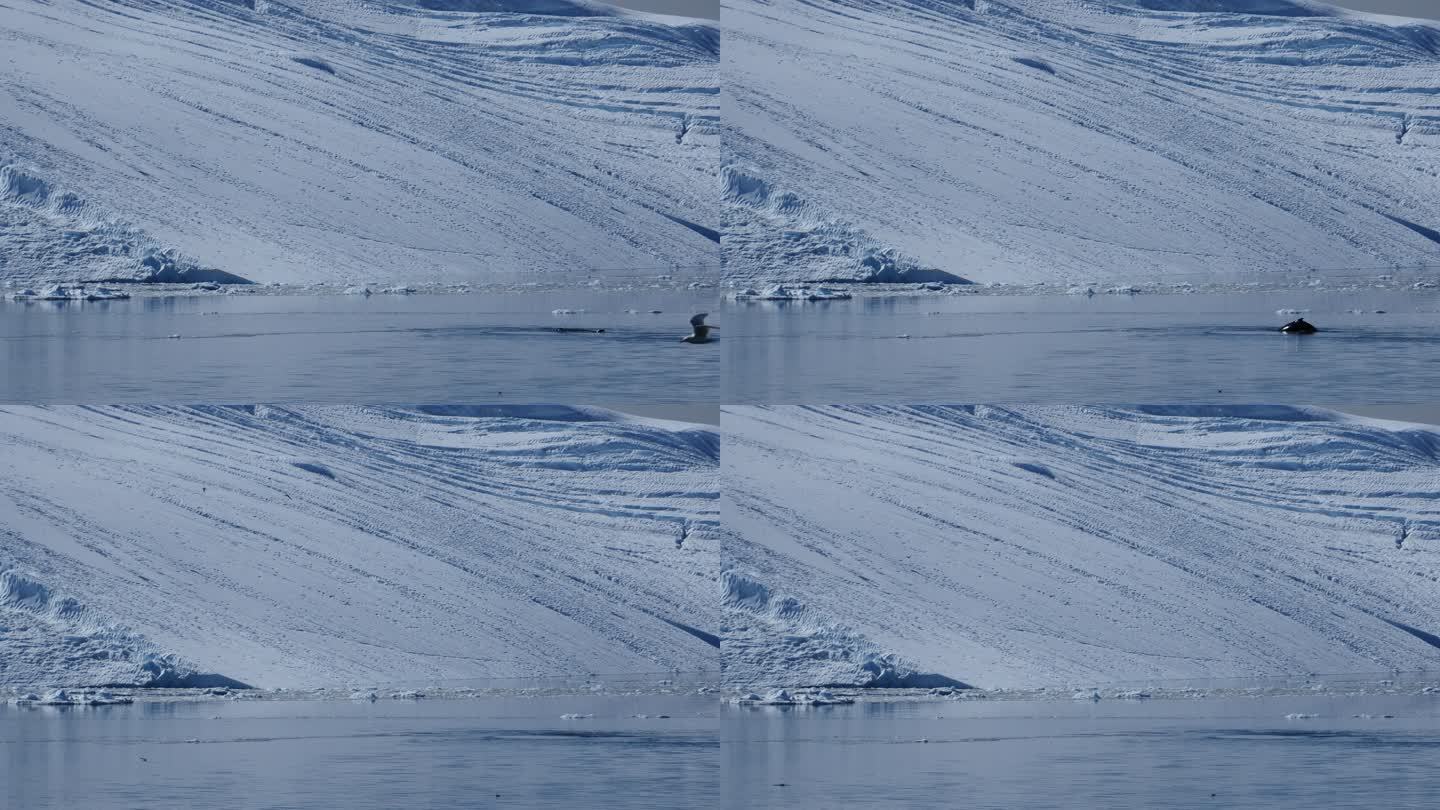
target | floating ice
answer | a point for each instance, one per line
(781, 292)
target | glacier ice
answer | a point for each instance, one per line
(1021, 141)
(325, 140)
(282, 546)
(1160, 542)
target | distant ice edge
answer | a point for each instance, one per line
(68, 646)
(769, 638)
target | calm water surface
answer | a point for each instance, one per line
(1206, 753)
(1109, 348)
(387, 348)
(388, 754)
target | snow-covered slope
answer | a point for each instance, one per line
(326, 545)
(1035, 546)
(1025, 140)
(324, 139)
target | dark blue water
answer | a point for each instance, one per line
(1205, 753)
(1105, 349)
(487, 752)
(382, 349)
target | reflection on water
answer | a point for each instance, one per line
(1234, 752)
(489, 752)
(387, 348)
(1375, 347)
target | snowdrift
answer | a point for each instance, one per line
(325, 140)
(328, 545)
(1043, 546)
(1048, 140)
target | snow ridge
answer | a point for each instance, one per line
(1037, 546)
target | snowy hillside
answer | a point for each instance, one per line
(324, 139)
(1031, 140)
(1037, 546)
(330, 545)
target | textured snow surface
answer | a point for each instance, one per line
(1033, 546)
(1041, 139)
(331, 140)
(55, 640)
(329, 545)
